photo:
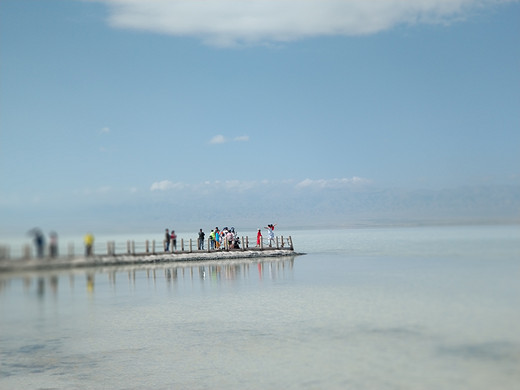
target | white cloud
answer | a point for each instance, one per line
(232, 22)
(333, 183)
(218, 139)
(235, 186)
(165, 185)
(105, 130)
(242, 138)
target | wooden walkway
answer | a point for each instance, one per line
(186, 253)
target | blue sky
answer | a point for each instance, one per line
(114, 108)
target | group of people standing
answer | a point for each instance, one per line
(227, 238)
(39, 243)
(222, 239)
(170, 238)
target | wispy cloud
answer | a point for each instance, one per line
(231, 22)
(241, 186)
(218, 139)
(226, 185)
(165, 185)
(105, 130)
(333, 183)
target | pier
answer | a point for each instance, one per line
(147, 252)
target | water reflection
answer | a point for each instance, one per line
(213, 272)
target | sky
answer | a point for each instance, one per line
(126, 114)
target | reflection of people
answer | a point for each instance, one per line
(201, 239)
(90, 282)
(167, 241)
(53, 246)
(89, 243)
(41, 287)
(258, 237)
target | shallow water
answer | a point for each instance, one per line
(402, 308)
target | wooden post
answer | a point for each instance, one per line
(153, 247)
(243, 245)
(128, 247)
(283, 244)
(4, 253)
(291, 243)
(191, 248)
(209, 244)
(27, 251)
(276, 239)
(182, 244)
(147, 246)
(262, 243)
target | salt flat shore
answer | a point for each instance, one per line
(35, 264)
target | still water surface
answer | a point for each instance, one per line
(402, 308)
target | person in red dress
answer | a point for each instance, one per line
(258, 237)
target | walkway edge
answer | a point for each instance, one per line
(94, 261)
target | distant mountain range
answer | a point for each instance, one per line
(285, 203)
(344, 207)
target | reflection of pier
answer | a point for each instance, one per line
(171, 274)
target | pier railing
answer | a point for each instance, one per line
(154, 247)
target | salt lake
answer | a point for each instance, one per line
(376, 308)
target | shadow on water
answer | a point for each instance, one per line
(48, 282)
